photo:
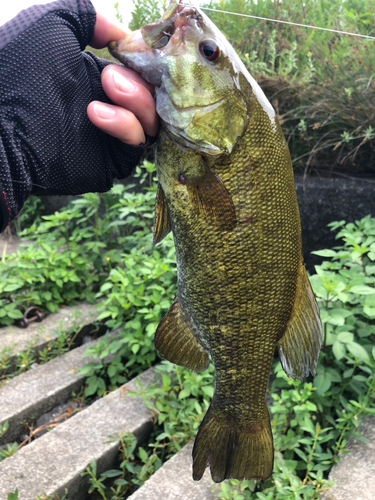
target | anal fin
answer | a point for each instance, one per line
(176, 342)
(300, 345)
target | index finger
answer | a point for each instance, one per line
(105, 31)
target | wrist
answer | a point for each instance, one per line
(4, 211)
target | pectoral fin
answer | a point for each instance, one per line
(211, 199)
(162, 223)
(300, 345)
(176, 342)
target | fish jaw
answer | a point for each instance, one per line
(134, 53)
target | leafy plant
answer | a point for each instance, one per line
(134, 469)
(145, 12)
(31, 213)
(322, 78)
(135, 295)
(311, 422)
(43, 496)
(73, 251)
(9, 451)
(4, 428)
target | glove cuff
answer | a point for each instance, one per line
(4, 211)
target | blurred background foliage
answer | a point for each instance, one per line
(322, 84)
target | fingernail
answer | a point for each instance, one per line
(123, 84)
(104, 111)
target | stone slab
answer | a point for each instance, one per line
(18, 339)
(39, 390)
(56, 460)
(173, 481)
(354, 475)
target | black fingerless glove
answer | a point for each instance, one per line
(47, 143)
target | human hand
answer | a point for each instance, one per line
(133, 113)
(50, 90)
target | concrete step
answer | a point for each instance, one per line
(17, 339)
(354, 475)
(55, 461)
(173, 481)
(37, 391)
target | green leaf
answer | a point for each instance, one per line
(142, 454)
(325, 253)
(112, 370)
(358, 351)
(135, 348)
(110, 473)
(106, 286)
(14, 314)
(209, 390)
(362, 290)
(338, 316)
(338, 350)
(345, 337)
(185, 393)
(322, 382)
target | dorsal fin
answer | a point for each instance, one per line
(300, 345)
(176, 342)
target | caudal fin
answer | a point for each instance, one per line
(241, 453)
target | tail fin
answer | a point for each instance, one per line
(240, 453)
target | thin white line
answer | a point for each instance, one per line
(288, 22)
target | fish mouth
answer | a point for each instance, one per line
(155, 36)
(175, 19)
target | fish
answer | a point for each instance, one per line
(226, 192)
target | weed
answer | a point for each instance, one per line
(311, 422)
(4, 428)
(30, 356)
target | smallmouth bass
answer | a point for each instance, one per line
(226, 191)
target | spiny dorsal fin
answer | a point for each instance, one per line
(162, 223)
(300, 345)
(176, 342)
(211, 199)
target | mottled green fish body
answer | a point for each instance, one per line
(226, 191)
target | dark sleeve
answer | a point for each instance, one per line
(47, 143)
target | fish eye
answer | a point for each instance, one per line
(209, 50)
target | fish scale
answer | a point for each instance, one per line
(226, 192)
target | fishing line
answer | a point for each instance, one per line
(289, 22)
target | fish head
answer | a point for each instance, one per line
(197, 74)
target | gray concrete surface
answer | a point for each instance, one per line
(173, 481)
(41, 389)
(42, 333)
(354, 475)
(322, 200)
(56, 460)
(10, 242)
